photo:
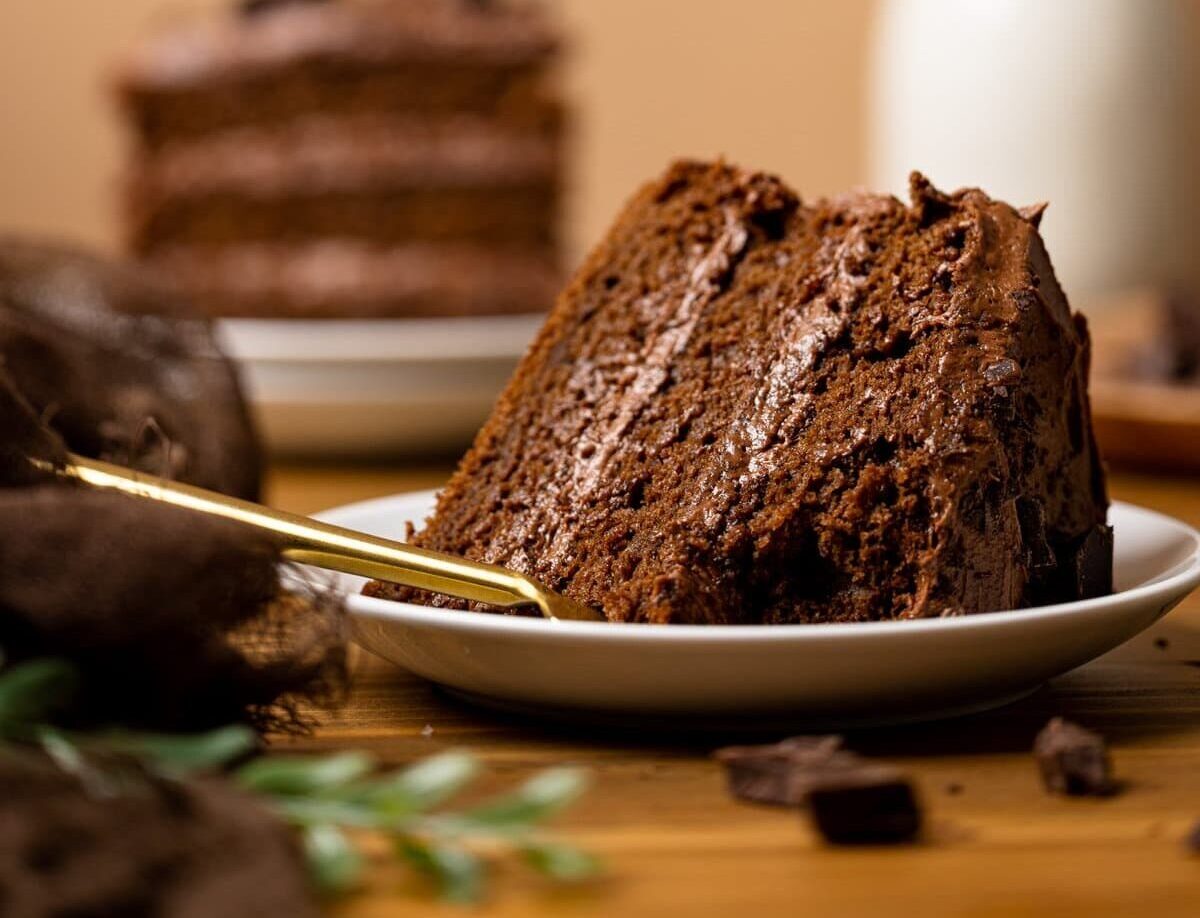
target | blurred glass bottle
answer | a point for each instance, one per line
(1085, 104)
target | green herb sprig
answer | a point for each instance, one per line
(325, 797)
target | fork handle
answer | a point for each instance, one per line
(331, 547)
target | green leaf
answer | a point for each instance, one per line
(66, 754)
(539, 797)
(561, 861)
(31, 691)
(334, 863)
(303, 775)
(310, 811)
(182, 753)
(458, 873)
(428, 783)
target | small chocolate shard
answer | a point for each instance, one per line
(1073, 760)
(1002, 372)
(1092, 565)
(864, 804)
(777, 774)
(1033, 213)
(1039, 554)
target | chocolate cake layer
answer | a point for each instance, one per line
(510, 95)
(748, 409)
(379, 179)
(329, 155)
(404, 55)
(121, 369)
(351, 279)
(510, 216)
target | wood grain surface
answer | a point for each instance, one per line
(676, 845)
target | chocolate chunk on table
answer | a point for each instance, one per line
(1073, 760)
(851, 800)
(864, 804)
(779, 773)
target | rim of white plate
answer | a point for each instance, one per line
(450, 339)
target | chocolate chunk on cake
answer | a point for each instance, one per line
(749, 409)
(382, 158)
(120, 369)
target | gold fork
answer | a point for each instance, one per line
(334, 548)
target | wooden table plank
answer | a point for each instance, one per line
(997, 845)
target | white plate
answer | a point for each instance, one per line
(836, 675)
(358, 387)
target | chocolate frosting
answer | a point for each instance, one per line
(120, 369)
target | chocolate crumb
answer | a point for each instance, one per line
(1073, 760)
(777, 774)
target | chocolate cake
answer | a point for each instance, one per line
(121, 370)
(749, 409)
(381, 158)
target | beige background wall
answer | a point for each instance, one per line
(772, 83)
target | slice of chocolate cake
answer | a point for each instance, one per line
(748, 409)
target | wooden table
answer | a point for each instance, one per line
(676, 844)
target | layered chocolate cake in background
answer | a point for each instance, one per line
(121, 370)
(748, 409)
(351, 158)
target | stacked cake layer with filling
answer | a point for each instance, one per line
(747, 409)
(379, 158)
